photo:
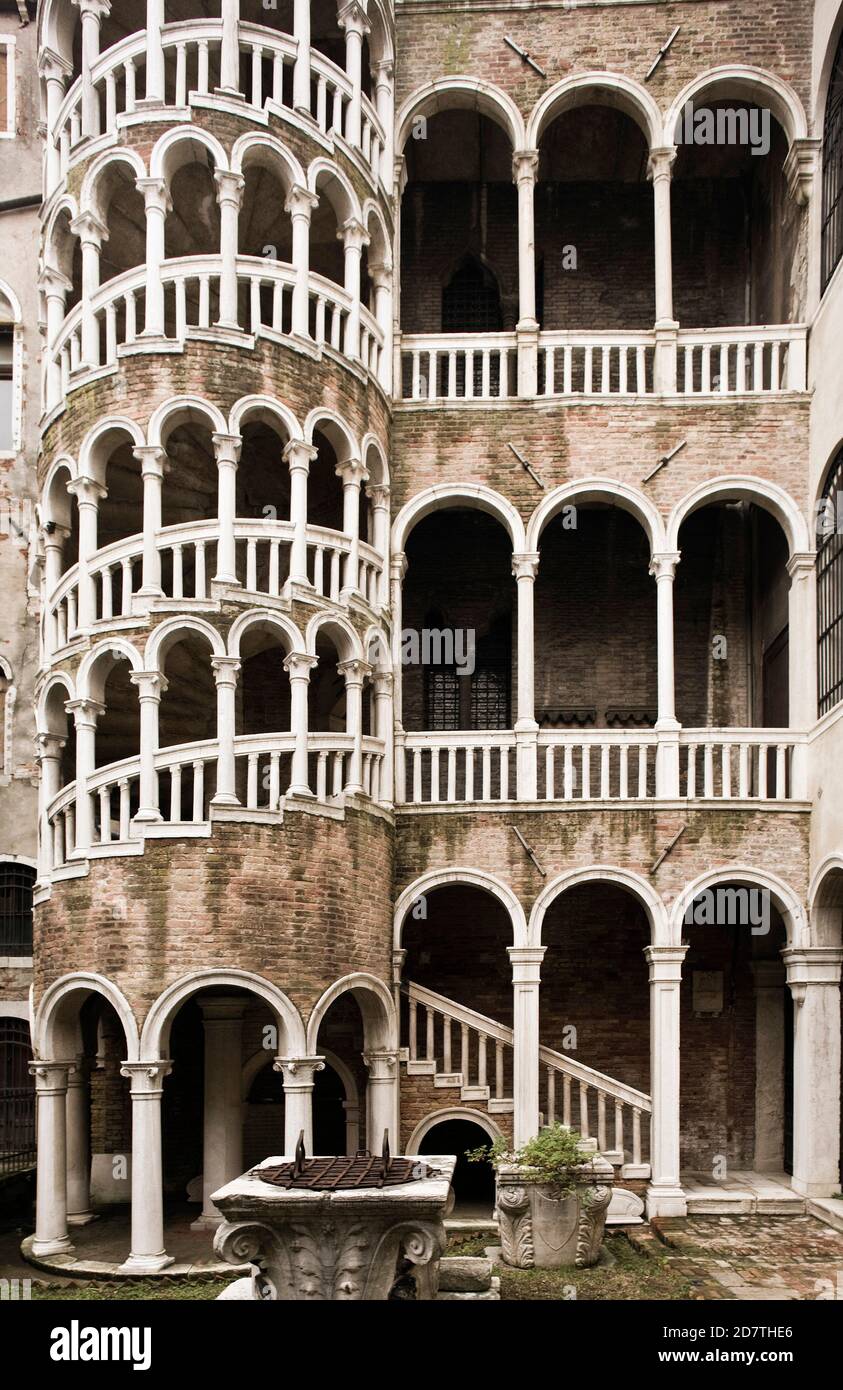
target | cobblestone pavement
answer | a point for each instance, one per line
(769, 1258)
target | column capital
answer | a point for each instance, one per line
(52, 65)
(352, 471)
(85, 712)
(811, 966)
(383, 72)
(156, 194)
(354, 671)
(665, 963)
(87, 491)
(525, 165)
(227, 448)
(89, 229)
(353, 235)
(298, 1073)
(226, 669)
(660, 163)
(229, 187)
(150, 684)
(48, 746)
(379, 495)
(800, 168)
(353, 19)
(663, 564)
(381, 1063)
(52, 282)
(397, 565)
(399, 955)
(525, 565)
(51, 1077)
(381, 275)
(526, 963)
(383, 682)
(299, 665)
(99, 9)
(152, 459)
(147, 1078)
(297, 453)
(300, 202)
(801, 563)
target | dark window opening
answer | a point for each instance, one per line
(830, 591)
(832, 217)
(471, 301)
(16, 882)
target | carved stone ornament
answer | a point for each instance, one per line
(542, 1230)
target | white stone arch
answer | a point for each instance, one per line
(824, 80)
(452, 1112)
(825, 903)
(597, 89)
(57, 680)
(324, 176)
(380, 242)
(381, 39)
(335, 429)
(54, 1034)
(633, 883)
(66, 205)
(374, 460)
(155, 1034)
(99, 661)
(376, 1004)
(56, 501)
(461, 877)
(598, 489)
(7, 293)
(100, 440)
(11, 1009)
(167, 152)
(461, 93)
(342, 634)
(261, 148)
(90, 195)
(743, 82)
(782, 895)
(168, 633)
(179, 410)
(376, 649)
(744, 488)
(448, 497)
(267, 409)
(292, 640)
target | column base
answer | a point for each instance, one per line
(206, 1222)
(60, 1246)
(146, 1264)
(808, 1188)
(225, 799)
(81, 1218)
(147, 815)
(303, 792)
(666, 1200)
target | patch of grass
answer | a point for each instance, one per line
(632, 1276)
(104, 1291)
(470, 1245)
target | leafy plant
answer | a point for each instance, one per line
(554, 1155)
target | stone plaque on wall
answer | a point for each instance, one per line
(708, 991)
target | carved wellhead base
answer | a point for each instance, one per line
(346, 1244)
(540, 1230)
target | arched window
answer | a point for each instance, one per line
(830, 589)
(17, 1097)
(832, 243)
(10, 395)
(16, 882)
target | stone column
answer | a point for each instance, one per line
(525, 165)
(381, 275)
(526, 968)
(769, 1065)
(354, 237)
(54, 71)
(153, 462)
(352, 474)
(299, 456)
(85, 713)
(88, 496)
(813, 973)
(148, 1254)
(300, 204)
(227, 448)
(382, 1098)
(397, 570)
(151, 686)
(659, 170)
(524, 567)
(223, 1107)
(78, 1153)
(352, 18)
(226, 669)
(384, 78)
(230, 50)
(667, 754)
(665, 1196)
(48, 756)
(91, 233)
(298, 1074)
(298, 666)
(802, 647)
(229, 196)
(301, 71)
(383, 730)
(157, 203)
(355, 673)
(55, 288)
(378, 495)
(51, 1236)
(154, 52)
(92, 13)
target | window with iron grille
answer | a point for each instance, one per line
(490, 697)
(832, 223)
(441, 698)
(471, 301)
(17, 1097)
(830, 591)
(16, 881)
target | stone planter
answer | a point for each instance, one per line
(541, 1231)
(344, 1245)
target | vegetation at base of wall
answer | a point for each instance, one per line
(102, 1291)
(626, 1275)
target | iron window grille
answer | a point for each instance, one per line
(830, 592)
(832, 216)
(17, 1097)
(16, 883)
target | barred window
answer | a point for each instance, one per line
(17, 1097)
(16, 883)
(471, 301)
(832, 216)
(490, 697)
(830, 591)
(442, 698)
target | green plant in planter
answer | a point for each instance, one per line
(554, 1155)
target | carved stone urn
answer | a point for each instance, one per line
(345, 1244)
(540, 1229)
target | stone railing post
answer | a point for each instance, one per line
(226, 670)
(663, 567)
(150, 686)
(227, 448)
(524, 568)
(298, 666)
(355, 673)
(85, 713)
(157, 203)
